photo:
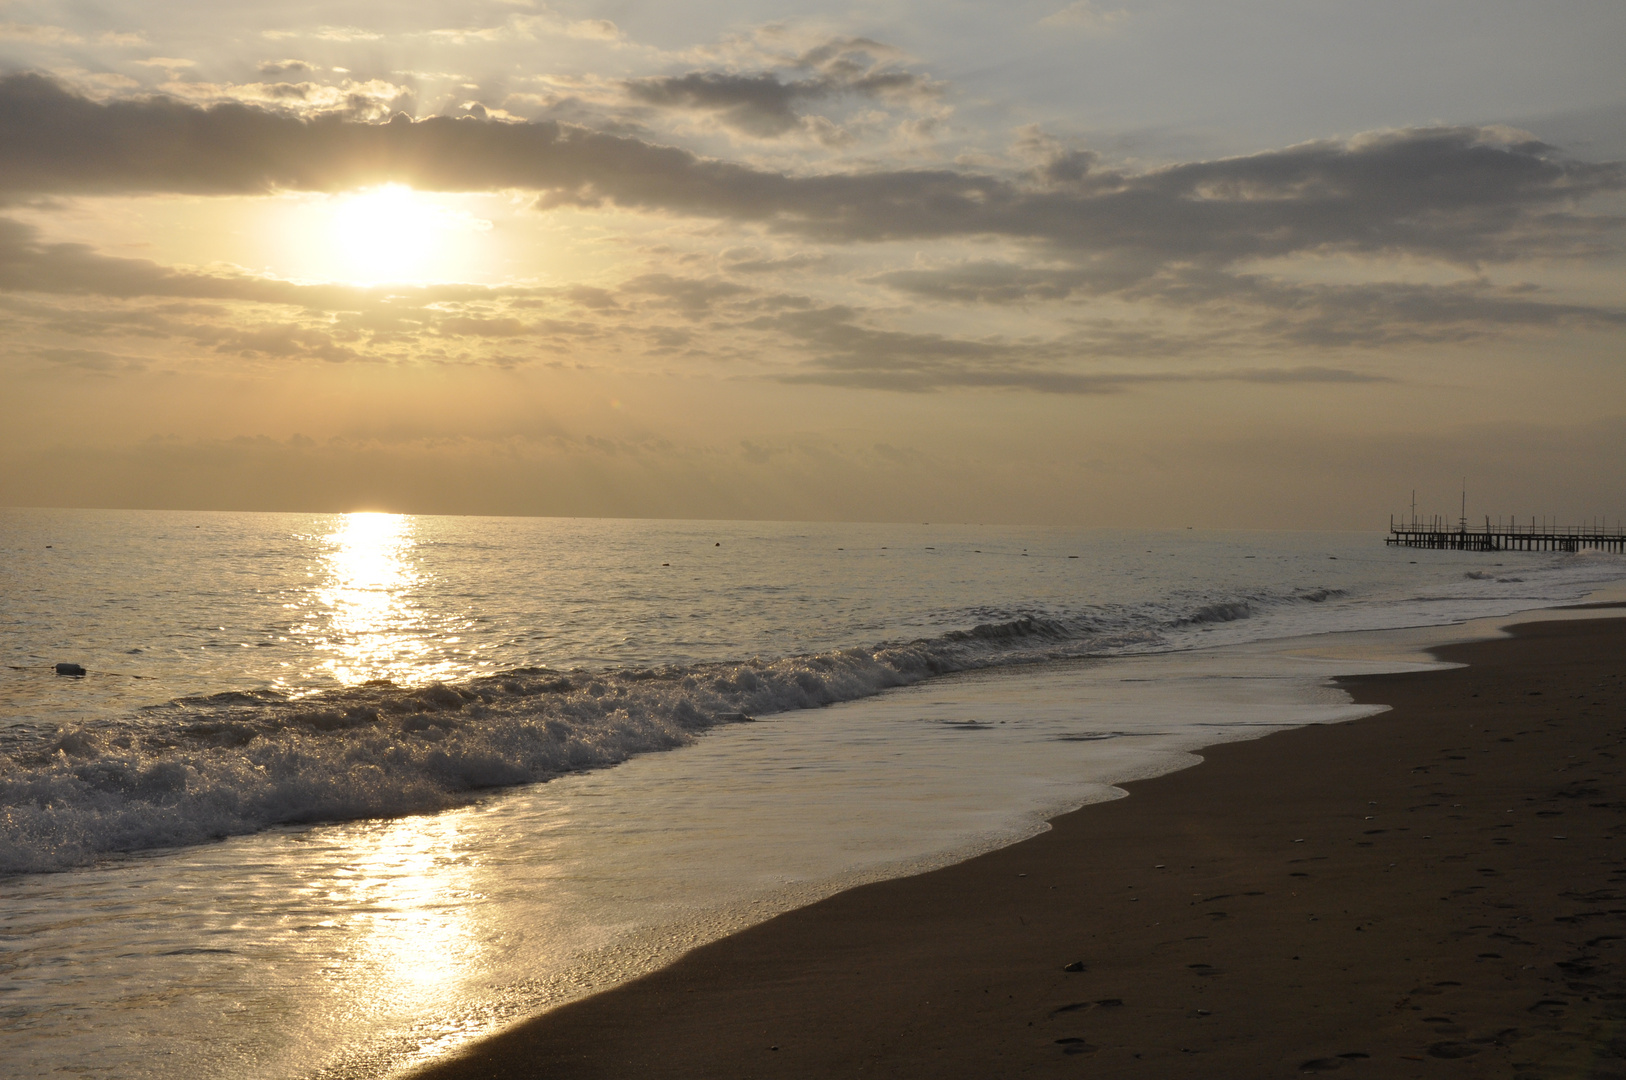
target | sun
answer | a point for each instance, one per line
(392, 234)
(386, 234)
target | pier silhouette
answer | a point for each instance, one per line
(1437, 532)
(1532, 537)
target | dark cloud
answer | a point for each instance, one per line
(280, 342)
(1455, 193)
(1279, 312)
(848, 353)
(760, 105)
(474, 326)
(692, 297)
(283, 67)
(1382, 314)
(750, 261)
(1368, 313)
(768, 104)
(1240, 313)
(1182, 237)
(988, 281)
(763, 104)
(929, 379)
(590, 297)
(669, 338)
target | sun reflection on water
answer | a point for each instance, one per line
(415, 933)
(403, 917)
(371, 625)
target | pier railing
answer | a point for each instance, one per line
(1507, 537)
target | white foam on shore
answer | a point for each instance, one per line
(197, 769)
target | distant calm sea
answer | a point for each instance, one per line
(298, 789)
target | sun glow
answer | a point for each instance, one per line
(393, 234)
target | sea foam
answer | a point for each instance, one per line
(202, 768)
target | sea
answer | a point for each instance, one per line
(338, 793)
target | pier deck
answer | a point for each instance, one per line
(1507, 538)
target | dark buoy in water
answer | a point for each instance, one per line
(69, 669)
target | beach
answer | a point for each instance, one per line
(1435, 890)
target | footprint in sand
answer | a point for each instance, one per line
(1453, 1050)
(1327, 1064)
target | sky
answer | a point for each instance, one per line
(1231, 263)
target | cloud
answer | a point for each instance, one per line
(95, 361)
(533, 26)
(278, 341)
(29, 264)
(1185, 239)
(1392, 313)
(847, 350)
(530, 28)
(765, 104)
(37, 34)
(1455, 193)
(590, 297)
(759, 104)
(988, 281)
(692, 297)
(44, 286)
(925, 363)
(1369, 312)
(373, 99)
(752, 261)
(325, 33)
(1083, 14)
(284, 67)
(472, 326)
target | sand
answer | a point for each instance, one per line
(1438, 891)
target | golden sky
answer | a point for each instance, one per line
(1229, 264)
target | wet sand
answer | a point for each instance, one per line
(1438, 891)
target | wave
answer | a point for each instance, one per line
(203, 768)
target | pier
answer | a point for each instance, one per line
(1439, 534)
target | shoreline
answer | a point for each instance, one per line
(1213, 942)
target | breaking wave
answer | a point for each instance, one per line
(198, 769)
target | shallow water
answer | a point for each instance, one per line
(395, 940)
(358, 947)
